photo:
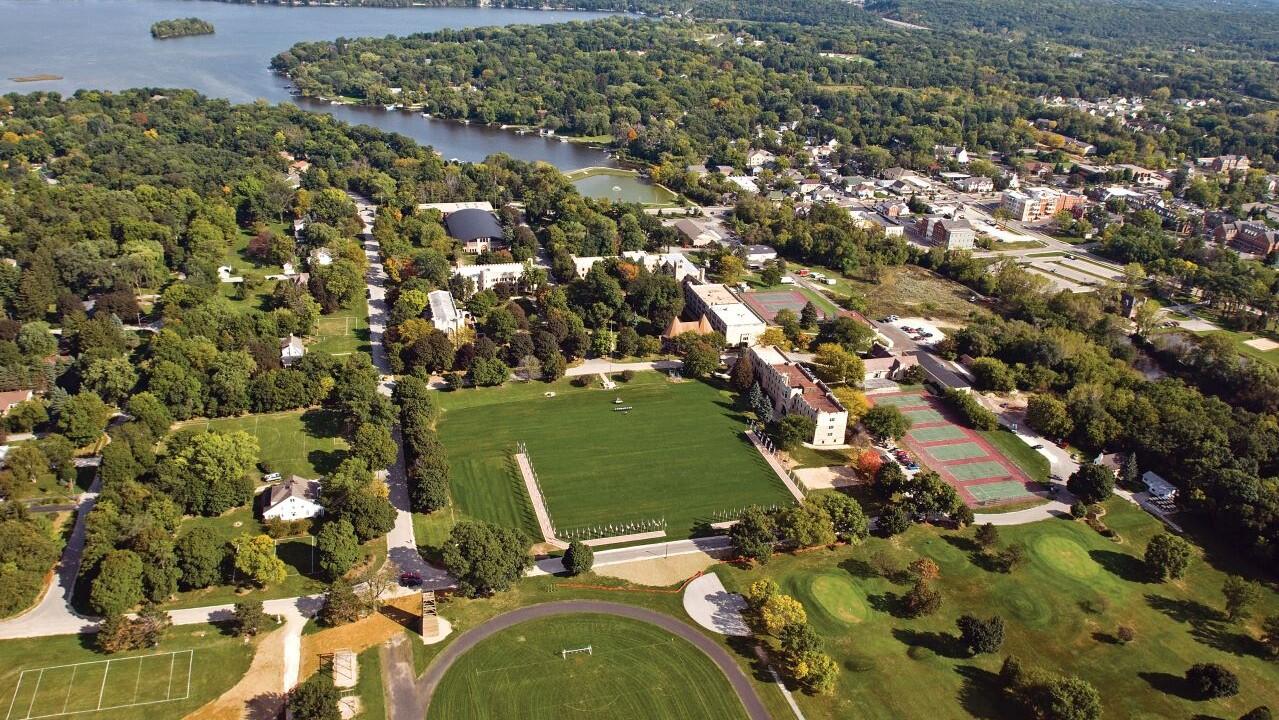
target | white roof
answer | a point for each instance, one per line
(736, 314)
(1158, 486)
(744, 183)
(713, 294)
(452, 207)
(443, 309)
(477, 270)
(769, 354)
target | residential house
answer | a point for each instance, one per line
(884, 364)
(759, 158)
(976, 183)
(1078, 147)
(296, 499)
(291, 349)
(1225, 163)
(794, 390)
(12, 398)
(947, 153)
(744, 183)
(757, 255)
(697, 234)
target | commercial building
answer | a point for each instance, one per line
(947, 233)
(1035, 203)
(795, 391)
(726, 313)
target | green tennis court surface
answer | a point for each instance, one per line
(958, 451)
(937, 434)
(996, 491)
(900, 400)
(977, 471)
(923, 416)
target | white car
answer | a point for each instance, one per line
(828, 281)
(788, 280)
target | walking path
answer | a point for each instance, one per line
(430, 680)
(538, 502)
(777, 466)
(786, 693)
(714, 608)
(595, 366)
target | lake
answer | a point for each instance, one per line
(106, 45)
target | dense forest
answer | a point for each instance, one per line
(182, 27)
(687, 90)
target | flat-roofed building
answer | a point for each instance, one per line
(1035, 203)
(794, 390)
(726, 313)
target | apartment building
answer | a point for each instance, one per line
(1036, 203)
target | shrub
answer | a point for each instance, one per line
(578, 558)
(1210, 681)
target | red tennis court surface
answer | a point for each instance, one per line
(766, 304)
(979, 473)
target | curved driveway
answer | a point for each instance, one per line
(430, 680)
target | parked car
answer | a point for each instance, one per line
(788, 281)
(410, 579)
(829, 281)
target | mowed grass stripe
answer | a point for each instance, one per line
(636, 672)
(679, 455)
(957, 451)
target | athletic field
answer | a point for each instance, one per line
(976, 468)
(98, 686)
(678, 454)
(634, 671)
(768, 303)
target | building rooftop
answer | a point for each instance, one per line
(714, 294)
(296, 486)
(443, 309)
(473, 224)
(448, 208)
(814, 394)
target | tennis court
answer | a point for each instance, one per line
(768, 303)
(902, 401)
(983, 470)
(979, 472)
(997, 491)
(925, 415)
(957, 451)
(938, 434)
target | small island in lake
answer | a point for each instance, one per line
(182, 27)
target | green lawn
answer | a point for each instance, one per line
(298, 442)
(1062, 609)
(679, 455)
(215, 663)
(344, 332)
(369, 688)
(635, 671)
(1240, 339)
(1015, 449)
(807, 457)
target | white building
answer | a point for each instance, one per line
(297, 499)
(444, 313)
(759, 158)
(727, 315)
(291, 349)
(744, 183)
(675, 264)
(794, 390)
(487, 277)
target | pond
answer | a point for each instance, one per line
(623, 186)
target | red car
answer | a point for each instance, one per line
(410, 579)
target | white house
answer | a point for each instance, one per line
(1158, 487)
(297, 499)
(444, 313)
(291, 348)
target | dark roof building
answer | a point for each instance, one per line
(476, 229)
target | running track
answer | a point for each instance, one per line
(430, 680)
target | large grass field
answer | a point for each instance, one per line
(635, 672)
(1015, 449)
(679, 454)
(298, 442)
(156, 676)
(1062, 609)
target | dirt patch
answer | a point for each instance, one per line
(1262, 344)
(826, 478)
(258, 695)
(659, 572)
(394, 618)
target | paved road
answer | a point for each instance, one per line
(430, 680)
(401, 541)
